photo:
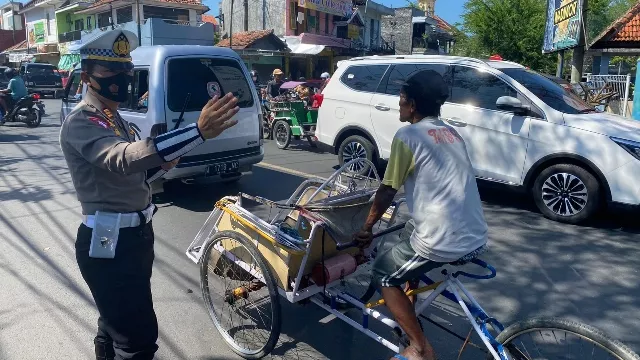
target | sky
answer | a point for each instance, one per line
(449, 10)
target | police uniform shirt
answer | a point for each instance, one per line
(109, 169)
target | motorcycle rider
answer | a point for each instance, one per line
(15, 91)
(273, 87)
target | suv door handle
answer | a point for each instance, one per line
(382, 107)
(456, 121)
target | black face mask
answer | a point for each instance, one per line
(122, 80)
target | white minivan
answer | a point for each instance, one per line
(170, 79)
(521, 129)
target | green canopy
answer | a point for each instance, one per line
(67, 60)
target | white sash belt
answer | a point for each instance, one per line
(126, 221)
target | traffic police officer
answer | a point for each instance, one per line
(111, 172)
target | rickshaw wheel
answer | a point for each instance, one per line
(242, 298)
(282, 134)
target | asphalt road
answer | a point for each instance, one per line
(589, 273)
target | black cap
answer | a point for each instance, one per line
(427, 85)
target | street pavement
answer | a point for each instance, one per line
(588, 273)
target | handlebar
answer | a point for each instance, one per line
(386, 231)
(476, 276)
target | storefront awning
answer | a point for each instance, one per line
(297, 47)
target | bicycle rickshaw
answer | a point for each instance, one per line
(304, 255)
(291, 116)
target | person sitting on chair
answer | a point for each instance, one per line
(447, 223)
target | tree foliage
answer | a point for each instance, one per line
(601, 13)
(514, 29)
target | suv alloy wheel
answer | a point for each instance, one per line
(566, 193)
(356, 147)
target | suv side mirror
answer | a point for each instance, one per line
(509, 103)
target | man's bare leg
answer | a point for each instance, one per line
(404, 313)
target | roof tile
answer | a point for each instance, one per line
(243, 40)
(209, 19)
(625, 29)
(188, 2)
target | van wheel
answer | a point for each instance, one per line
(282, 134)
(567, 193)
(356, 147)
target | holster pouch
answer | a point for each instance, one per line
(104, 237)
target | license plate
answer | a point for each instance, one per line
(222, 168)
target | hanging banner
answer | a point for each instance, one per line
(334, 7)
(564, 23)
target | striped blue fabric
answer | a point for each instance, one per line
(173, 144)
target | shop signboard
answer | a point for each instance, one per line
(353, 31)
(564, 23)
(20, 57)
(334, 7)
(36, 33)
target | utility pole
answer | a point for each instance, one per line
(139, 26)
(246, 15)
(577, 63)
(560, 63)
(13, 23)
(231, 27)
(264, 14)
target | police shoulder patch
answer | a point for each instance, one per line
(98, 121)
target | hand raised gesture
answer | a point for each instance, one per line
(216, 116)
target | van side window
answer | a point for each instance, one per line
(402, 72)
(74, 85)
(138, 99)
(478, 88)
(363, 77)
(204, 78)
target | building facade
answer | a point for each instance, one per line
(11, 26)
(317, 34)
(41, 30)
(412, 30)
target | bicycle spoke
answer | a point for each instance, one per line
(549, 344)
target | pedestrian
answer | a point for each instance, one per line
(325, 80)
(111, 172)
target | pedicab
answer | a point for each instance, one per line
(292, 115)
(304, 254)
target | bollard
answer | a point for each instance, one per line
(635, 113)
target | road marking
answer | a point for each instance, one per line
(289, 171)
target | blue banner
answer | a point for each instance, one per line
(564, 23)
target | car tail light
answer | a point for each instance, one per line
(36, 96)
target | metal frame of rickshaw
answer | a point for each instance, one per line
(451, 288)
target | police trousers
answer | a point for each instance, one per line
(121, 289)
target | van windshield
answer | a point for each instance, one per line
(204, 78)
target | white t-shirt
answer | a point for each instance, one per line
(430, 159)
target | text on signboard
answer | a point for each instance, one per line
(566, 12)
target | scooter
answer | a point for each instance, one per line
(24, 110)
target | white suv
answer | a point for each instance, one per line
(521, 129)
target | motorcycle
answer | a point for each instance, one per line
(25, 110)
(40, 105)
